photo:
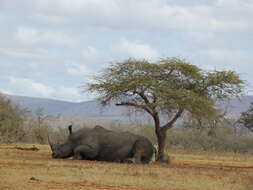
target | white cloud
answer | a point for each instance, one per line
(8, 92)
(27, 53)
(136, 50)
(31, 87)
(91, 53)
(31, 36)
(237, 4)
(92, 59)
(148, 14)
(77, 7)
(230, 56)
(219, 15)
(225, 58)
(78, 70)
(50, 19)
(66, 93)
(27, 36)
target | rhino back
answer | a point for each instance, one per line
(115, 145)
(83, 136)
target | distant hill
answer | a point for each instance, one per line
(87, 109)
(236, 106)
(92, 109)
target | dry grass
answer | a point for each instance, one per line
(24, 170)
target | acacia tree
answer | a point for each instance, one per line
(247, 118)
(168, 88)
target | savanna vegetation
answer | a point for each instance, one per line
(19, 125)
(224, 135)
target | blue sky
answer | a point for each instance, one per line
(49, 48)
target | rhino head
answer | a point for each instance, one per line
(64, 150)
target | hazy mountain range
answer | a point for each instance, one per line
(86, 109)
(92, 109)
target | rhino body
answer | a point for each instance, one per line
(102, 144)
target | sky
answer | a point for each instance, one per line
(51, 48)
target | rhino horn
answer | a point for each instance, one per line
(50, 143)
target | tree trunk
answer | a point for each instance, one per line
(161, 139)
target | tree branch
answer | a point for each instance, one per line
(173, 120)
(135, 105)
(144, 97)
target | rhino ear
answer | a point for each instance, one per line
(70, 129)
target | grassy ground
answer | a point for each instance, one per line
(36, 170)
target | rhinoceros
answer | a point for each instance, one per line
(102, 144)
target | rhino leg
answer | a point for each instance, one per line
(142, 151)
(137, 158)
(83, 152)
(128, 161)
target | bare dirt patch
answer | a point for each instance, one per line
(25, 170)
